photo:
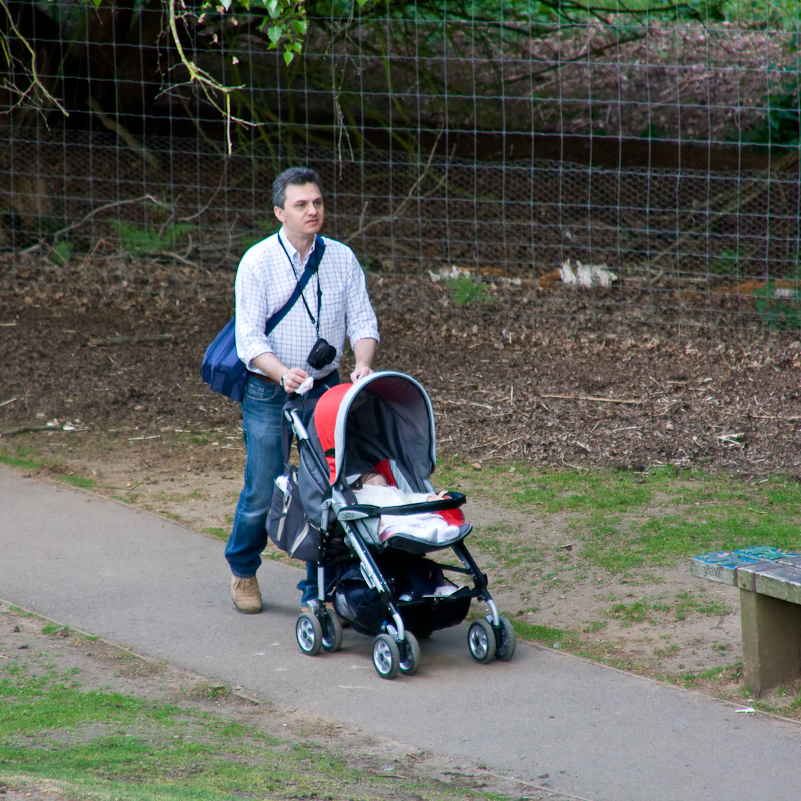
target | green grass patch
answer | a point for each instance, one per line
(51, 629)
(79, 481)
(19, 463)
(153, 239)
(500, 541)
(466, 291)
(26, 458)
(552, 637)
(657, 611)
(100, 744)
(639, 611)
(624, 522)
(716, 675)
(595, 625)
(697, 604)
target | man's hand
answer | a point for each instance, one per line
(269, 364)
(293, 378)
(360, 372)
(363, 350)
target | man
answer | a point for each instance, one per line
(334, 304)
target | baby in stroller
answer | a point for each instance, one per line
(374, 489)
(372, 552)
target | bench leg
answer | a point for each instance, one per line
(771, 641)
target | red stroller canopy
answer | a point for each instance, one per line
(325, 423)
(386, 415)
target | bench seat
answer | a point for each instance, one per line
(769, 581)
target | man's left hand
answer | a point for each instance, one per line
(364, 351)
(360, 372)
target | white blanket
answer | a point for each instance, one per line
(425, 526)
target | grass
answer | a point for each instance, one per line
(144, 241)
(92, 742)
(625, 521)
(467, 292)
(23, 458)
(113, 744)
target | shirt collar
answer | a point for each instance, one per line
(292, 250)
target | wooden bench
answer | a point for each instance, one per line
(769, 581)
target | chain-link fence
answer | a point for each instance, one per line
(652, 165)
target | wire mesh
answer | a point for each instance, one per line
(650, 164)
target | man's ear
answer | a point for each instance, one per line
(279, 212)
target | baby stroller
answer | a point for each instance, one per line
(387, 587)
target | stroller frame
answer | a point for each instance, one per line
(348, 531)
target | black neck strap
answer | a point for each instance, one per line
(313, 263)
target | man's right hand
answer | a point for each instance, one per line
(270, 365)
(292, 379)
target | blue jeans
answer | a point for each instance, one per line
(261, 429)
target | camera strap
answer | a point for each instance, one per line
(312, 266)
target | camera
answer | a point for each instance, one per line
(321, 355)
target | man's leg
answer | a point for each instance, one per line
(261, 429)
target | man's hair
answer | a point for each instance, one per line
(294, 176)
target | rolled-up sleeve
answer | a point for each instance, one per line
(360, 318)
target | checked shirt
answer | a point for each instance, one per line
(266, 278)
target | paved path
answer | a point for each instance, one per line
(598, 733)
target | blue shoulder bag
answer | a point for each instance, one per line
(221, 368)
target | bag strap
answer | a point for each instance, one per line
(312, 265)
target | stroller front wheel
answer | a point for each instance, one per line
(386, 656)
(331, 631)
(506, 650)
(309, 634)
(410, 661)
(481, 641)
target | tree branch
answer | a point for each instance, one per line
(35, 79)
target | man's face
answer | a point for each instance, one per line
(303, 210)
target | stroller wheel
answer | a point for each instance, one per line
(506, 650)
(481, 641)
(331, 631)
(309, 634)
(410, 659)
(386, 656)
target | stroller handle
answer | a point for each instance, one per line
(297, 424)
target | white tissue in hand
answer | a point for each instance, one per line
(282, 482)
(305, 386)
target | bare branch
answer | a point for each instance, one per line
(407, 200)
(152, 199)
(35, 79)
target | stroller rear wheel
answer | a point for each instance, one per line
(309, 634)
(331, 631)
(481, 641)
(386, 656)
(410, 660)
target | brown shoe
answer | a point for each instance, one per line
(246, 595)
